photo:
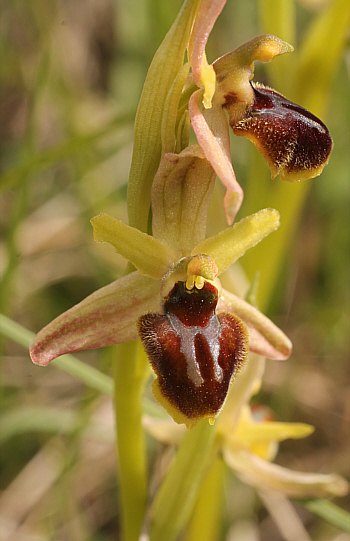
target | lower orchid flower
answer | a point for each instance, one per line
(196, 334)
(248, 437)
(250, 448)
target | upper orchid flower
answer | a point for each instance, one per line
(295, 143)
(196, 334)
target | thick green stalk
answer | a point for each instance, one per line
(177, 495)
(330, 512)
(207, 516)
(130, 372)
(210, 492)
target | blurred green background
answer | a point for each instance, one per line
(71, 75)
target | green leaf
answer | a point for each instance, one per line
(320, 54)
(176, 497)
(278, 17)
(37, 419)
(330, 512)
(169, 119)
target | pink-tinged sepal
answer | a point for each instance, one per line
(212, 132)
(194, 353)
(105, 318)
(294, 142)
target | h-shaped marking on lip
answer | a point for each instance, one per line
(188, 334)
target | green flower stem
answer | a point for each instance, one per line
(130, 372)
(207, 516)
(211, 491)
(177, 495)
(330, 512)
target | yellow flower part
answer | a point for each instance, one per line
(208, 79)
(259, 433)
(203, 73)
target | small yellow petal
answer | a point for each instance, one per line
(264, 48)
(150, 256)
(202, 265)
(269, 46)
(252, 433)
(231, 243)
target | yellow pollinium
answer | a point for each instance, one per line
(194, 281)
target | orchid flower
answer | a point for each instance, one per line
(195, 333)
(294, 142)
(248, 437)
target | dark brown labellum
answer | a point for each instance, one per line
(294, 142)
(194, 352)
